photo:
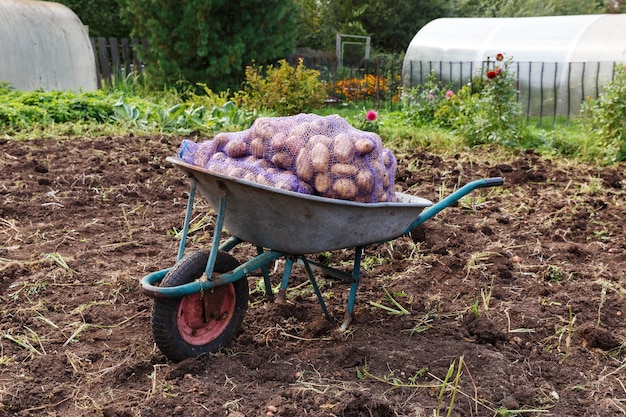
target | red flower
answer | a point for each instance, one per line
(492, 74)
(371, 115)
(498, 71)
(499, 57)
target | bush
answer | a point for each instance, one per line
(283, 90)
(428, 103)
(492, 115)
(605, 118)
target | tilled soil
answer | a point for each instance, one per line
(510, 302)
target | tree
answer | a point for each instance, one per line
(522, 8)
(210, 41)
(391, 23)
(101, 16)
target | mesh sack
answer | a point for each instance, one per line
(307, 153)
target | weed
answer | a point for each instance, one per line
(397, 308)
(554, 274)
(57, 258)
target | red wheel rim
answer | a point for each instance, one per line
(198, 328)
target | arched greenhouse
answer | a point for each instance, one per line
(44, 45)
(558, 60)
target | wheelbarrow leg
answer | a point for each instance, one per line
(282, 292)
(356, 278)
(183, 239)
(320, 298)
(269, 293)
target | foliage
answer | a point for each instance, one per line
(429, 102)
(284, 90)
(521, 8)
(391, 24)
(604, 118)
(362, 88)
(211, 113)
(484, 111)
(21, 110)
(102, 17)
(492, 115)
(210, 41)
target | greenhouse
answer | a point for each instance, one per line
(558, 60)
(44, 45)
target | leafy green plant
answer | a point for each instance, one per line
(492, 115)
(429, 102)
(284, 90)
(604, 118)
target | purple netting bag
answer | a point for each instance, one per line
(306, 153)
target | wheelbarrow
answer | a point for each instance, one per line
(200, 302)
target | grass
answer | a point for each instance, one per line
(170, 112)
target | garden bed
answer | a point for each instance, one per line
(518, 290)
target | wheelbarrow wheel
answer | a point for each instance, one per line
(200, 323)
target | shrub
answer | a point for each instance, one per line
(431, 103)
(283, 90)
(604, 118)
(492, 115)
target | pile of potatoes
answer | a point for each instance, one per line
(306, 153)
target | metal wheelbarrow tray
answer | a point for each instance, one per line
(200, 302)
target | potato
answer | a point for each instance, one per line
(304, 168)
(343, 148)
(365, 181)
(283, 160)
(378, 169)
(204, 153)
(320, 157)
(364, 145)
(344, 189)
(250, 176)
(221, 140)
(263, 127)
(322, 183)
(388, 158)
(294, 144)
(219, 157)
(344, 170)
(257, 147)
(386, 179)
(315, 139)
(301, 130)
(335, 121)
(277, 144)
(235, 171)
(379, 195)
(262, 179)
(321, 125)
(285, 184)
(236, 148)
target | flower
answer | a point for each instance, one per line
(492, 74)
(449, 94)
(371, 115)
(498, 71)
(431, 96)
(499, 57)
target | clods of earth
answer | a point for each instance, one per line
(510, 302)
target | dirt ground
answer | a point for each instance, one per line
(511, 302)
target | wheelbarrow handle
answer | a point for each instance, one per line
(493, 182)
(453, 198)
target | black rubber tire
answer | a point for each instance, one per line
(165, 311)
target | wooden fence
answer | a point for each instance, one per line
(116, 58)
